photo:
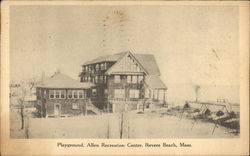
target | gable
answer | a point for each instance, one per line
(127, 64)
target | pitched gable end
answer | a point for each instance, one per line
(127, 64)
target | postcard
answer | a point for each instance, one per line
(125, 78)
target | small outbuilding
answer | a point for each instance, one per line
(61, 96)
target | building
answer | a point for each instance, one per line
(124, 81)
(60, 96)
(112, 83)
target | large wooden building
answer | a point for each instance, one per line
(112, 83)
(124, 81)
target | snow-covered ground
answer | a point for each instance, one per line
(147, 125)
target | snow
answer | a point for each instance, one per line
(149, 124)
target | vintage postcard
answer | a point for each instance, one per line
(122, 77)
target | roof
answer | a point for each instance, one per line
(155, 82)
(106, 58)
(149, 63)
(59, 80)
(146, 60)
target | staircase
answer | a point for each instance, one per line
(93, 108)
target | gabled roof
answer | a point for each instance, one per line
(155, 82)
(146, 60)
(121, 68)
(149, 63)
(106, 58)
(59, 80)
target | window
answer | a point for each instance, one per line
(119, 93)
(57, 94)
(104, 79)
(140, 78)
(75, 106)
(134, 93)
(105, 92)
(97, 67)
(70, 94)
(51, 94)
(75, 94)
(63, 93)
(105, 65)
(44, 93)
(96, 79)
(102, 66)
(128, 79)
(117, 79)
(93, 92)
(80, 94)
(134, 79)
(101, 79)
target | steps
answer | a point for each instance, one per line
(93, 108)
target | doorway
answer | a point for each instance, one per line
(57, 110)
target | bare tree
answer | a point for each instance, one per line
(24, 91)
(122, 124)
(21, 98)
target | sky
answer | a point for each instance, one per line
(191, 44)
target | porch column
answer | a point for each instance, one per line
(157, 94)
(153, 94)
(164, 95)
(85, 101)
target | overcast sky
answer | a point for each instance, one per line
(192, 44)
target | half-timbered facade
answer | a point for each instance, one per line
(124, 81)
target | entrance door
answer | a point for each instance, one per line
(57, 110)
